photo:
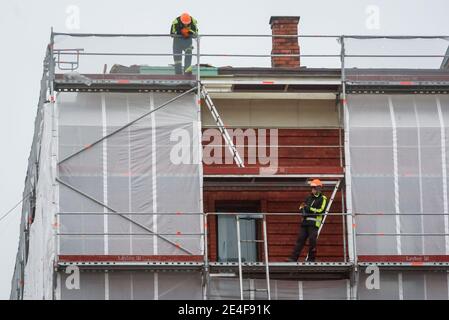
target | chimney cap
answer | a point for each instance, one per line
(293, 18)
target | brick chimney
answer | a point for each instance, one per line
(285, 25)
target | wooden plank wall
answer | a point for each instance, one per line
(297, 150)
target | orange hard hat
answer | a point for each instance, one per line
(316, 183)
(186, 18)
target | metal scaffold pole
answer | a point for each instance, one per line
(267, 260)
(239, 256)
(205, 271)
(54, 154)
(350, 217)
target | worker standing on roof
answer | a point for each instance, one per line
(183, 29)
(312, 210)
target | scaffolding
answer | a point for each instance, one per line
(350, 82)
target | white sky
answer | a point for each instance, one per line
(25, 30)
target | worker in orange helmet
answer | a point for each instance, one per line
(312, 210)
(183, 29)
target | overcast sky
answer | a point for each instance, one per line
(25, 30)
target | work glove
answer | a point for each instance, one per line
(185, 32)
(303, 208)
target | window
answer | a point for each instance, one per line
(227, 231)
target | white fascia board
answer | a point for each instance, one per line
(273, 95)
(269, 81)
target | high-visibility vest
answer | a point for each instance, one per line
(316, 209)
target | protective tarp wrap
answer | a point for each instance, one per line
(406, 285)
(399, 158)
(33, 272)
(151, 166)
(41, 246)
(130, 285)
(229, 289)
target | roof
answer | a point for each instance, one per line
(354, 73)
(237, 79)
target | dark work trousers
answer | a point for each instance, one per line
(307, 232)
(180, 45)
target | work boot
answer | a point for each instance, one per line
(188, 70)
(178, 68)
(312, 255)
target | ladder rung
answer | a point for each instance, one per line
(252, 241)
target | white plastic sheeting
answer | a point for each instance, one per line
(222, 288)
(399, 158)
(38, 210)
(149, 167)
(136, 285)
(38, 274)
(393, 285)
(132, 285)
(406, 285)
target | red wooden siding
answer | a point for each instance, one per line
(296, 148)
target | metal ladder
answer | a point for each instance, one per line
(328, 207)
(239, 250)
(232, 148)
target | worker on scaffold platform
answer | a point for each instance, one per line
(183, 29)
(312, 210)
